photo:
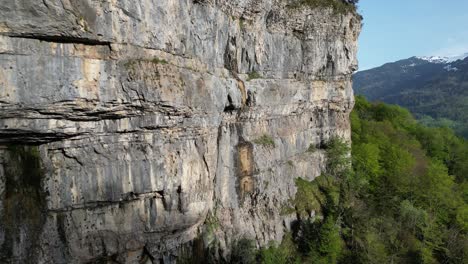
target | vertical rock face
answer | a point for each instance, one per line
(125, 125)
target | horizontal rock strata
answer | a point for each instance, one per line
(126, 125)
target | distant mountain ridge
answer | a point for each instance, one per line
(440, 59)
(434, 89)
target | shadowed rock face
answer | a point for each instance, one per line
(123, 124)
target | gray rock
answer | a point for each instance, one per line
(124, 124)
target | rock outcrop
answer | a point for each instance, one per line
(130, 128)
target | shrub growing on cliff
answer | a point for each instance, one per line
(265, 140)
(159, 61)
(253, 75)
(308, 197)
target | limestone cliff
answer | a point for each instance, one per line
(130, 128)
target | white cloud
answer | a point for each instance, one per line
(454, 46)
(451, 51)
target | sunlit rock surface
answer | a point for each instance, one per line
(130, 128)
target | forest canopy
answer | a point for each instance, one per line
(401, 197)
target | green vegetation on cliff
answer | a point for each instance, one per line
(338, 6)
(265, 140)
(401, 197)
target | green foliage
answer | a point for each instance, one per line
(244, 252)
(265, 140)
(375, 250)
(211, 222)
(286, 209)
(462, 217)
(253, 75)
(159, 61)
(401, 197)
(366, 161)
(330, 243)
(308, 198)
(411, 176)
(338, 161)
(413, 218)
(320, 241)
(285, 253)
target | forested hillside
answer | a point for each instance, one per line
(434, 89)
(400, 198)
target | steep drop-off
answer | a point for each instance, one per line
(129, 128)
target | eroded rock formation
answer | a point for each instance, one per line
(125, 124)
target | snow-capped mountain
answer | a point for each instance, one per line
(428, 86)
(440, 59)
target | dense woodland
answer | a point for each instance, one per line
(401, 197)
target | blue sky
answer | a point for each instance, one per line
(399, 29)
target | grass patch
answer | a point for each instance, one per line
(287, 209)
(253, 75)
(265, 140)
(159, 61)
